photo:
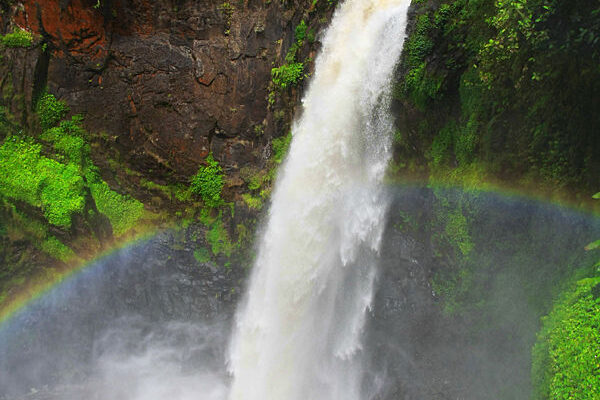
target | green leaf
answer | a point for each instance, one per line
(596, 196)
(593, 245)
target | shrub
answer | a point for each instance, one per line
(300, 32)
(18, 38)
(566, 357)
(287, 75)
(208, 182)
(51, 110)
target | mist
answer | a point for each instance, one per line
(150, 322)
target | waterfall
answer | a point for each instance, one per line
(298, 332)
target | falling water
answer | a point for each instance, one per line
(298, 333)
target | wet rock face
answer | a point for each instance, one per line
(154, 291)
(169, 80)
(413, 350)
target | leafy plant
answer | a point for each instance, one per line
(18, 38)
(51, 110)
(280, 147)
(287, 75)
(566, 356)
(208, 182)
(300, 31)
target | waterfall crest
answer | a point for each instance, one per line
(298, 332)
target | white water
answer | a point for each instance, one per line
(298, 334)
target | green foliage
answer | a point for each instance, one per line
(593, 246)
(218, 238)
(281, 146)
(18, 38)
(311, 36)
(421, 86)
(543, 55)
(287, 75)
(202, 255)
(252, 202)
(56, 249)
(518, 80)
(51, 110)
(39, 181)
(292, 72)
(457, 232)
(420, 44)
(68, 141)
(566, 356)
(122, 211)
(290, 56)
(442, 146)
(300, 31)
(208, 182)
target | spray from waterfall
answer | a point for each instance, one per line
(298, 333)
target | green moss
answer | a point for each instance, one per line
(218, 238)
(41, 182)
(59, 188)
(177, 192)
(287, 75)
(18, 38)
(148, 184)
(50, 110)
(300, 31)
(457, 231)
(441, 152)
(453, 289)
(281, 146)
(252, 202)
(421, 86)
(181, 192)
(56, 249)
(420, 44)
(497, 70)
(208, 182)
(122, 211)
(68, 140)
(202, 255)
(566, 357)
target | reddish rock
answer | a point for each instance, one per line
(168, 81)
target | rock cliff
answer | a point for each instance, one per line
(163, 82)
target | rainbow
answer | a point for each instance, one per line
(41, 285)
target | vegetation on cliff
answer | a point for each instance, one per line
(502, 90)
(208, 182)
(506, 93)
(18, 38)
(566, 357)
(52, 195)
